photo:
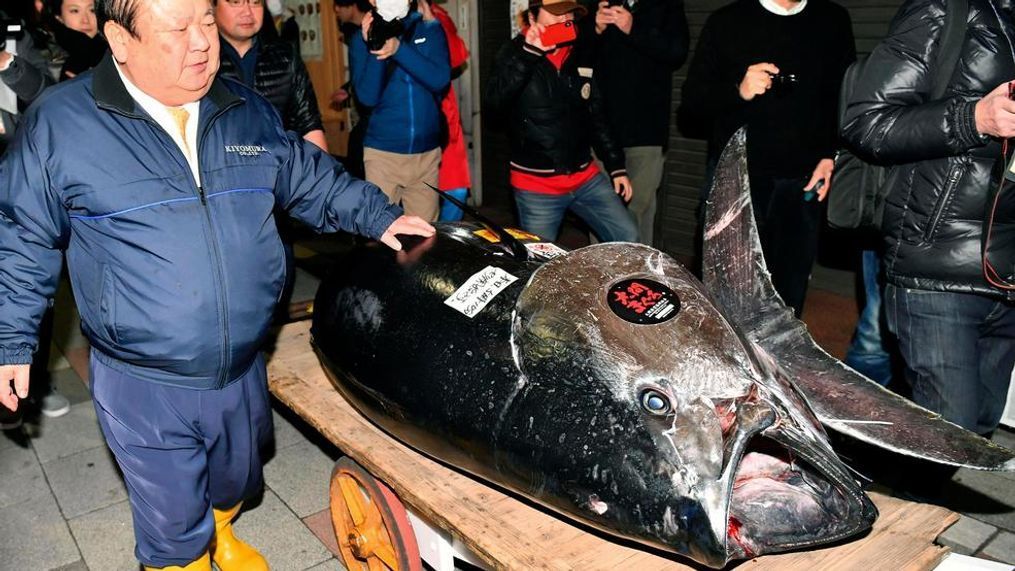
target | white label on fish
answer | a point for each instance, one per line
(480, 290)
(547, 250)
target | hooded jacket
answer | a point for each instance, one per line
(176, 279)
(934, 212)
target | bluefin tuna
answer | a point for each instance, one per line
(610, 385)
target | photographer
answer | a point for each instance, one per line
(776, 66)
(400, 68)
(551, 103)
(641, 44)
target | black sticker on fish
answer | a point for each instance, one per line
(643, 301)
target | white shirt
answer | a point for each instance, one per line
(774, 8)
(165, 120)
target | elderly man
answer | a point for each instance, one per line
(272, 68)
(159, 181)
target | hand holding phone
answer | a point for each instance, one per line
(557, 34)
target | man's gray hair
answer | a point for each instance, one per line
(123, 12)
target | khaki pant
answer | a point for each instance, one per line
(645, 169)
(404, 179)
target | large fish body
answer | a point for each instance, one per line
(605, 383)
(672, 433)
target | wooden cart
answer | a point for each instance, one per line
(507, 533)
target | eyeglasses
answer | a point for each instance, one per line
(238, 3)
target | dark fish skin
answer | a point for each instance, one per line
(542, 392)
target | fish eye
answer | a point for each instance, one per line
(655, 402)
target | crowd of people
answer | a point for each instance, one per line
(156, 150)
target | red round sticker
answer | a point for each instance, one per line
(643, 301)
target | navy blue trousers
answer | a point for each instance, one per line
(182, 452)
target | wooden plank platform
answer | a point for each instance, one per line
(509, 533)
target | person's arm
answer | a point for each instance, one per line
(431, 69)
(712, 87)
(26, 74)
(315, 189)
(33, 231)
(367, 72)
(608, 150)
(890, 118)
(844, 53)
(510, 74)
(303, 114)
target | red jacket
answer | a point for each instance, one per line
(454, 170)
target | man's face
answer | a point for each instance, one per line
(176, 52)
(239, 20)
(547, 18)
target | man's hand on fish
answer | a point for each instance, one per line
(413, 225)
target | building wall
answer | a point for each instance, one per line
(685, 164)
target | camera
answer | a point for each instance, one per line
(387, 22)
(784, 83)
(382, 30)
(10, 30)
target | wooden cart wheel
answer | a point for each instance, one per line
(371, 524)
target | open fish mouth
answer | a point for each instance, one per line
(781, 501)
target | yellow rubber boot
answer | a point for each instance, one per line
(228, 552)
(202, 563)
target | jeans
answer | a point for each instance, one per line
(788, 227)
(959, 350)
(868, 352)
(595, 202)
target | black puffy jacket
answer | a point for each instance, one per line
(282, 78)
(934, 212)
(554, 120)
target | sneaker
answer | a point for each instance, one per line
(55, 404)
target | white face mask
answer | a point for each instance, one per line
(392, 9)
(275, 7)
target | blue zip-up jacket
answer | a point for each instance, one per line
(405, 99)
(175, 279)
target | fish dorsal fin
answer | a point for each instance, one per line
(734, 272)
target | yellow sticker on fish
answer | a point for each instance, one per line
(519, 234)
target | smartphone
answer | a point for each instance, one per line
(557, 34)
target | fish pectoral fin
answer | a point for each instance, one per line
(853, 405)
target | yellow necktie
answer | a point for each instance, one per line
(180, 115)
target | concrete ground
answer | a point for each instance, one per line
(63, 504)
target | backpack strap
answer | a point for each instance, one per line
(956, 22)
